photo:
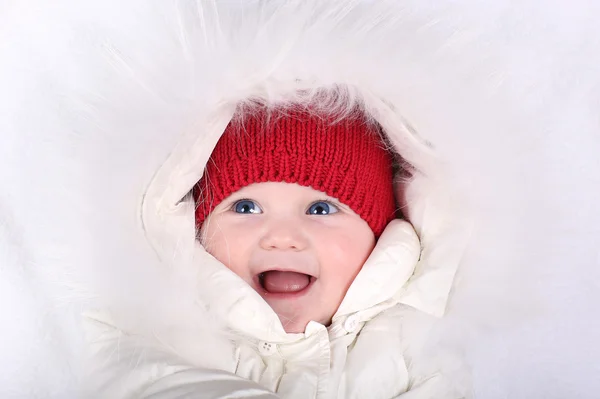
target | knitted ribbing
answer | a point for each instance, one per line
(345, 159)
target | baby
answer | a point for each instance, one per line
(300, 205)
(308, 278)
(294, 206)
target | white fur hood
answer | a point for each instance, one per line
(495, 104)
(168, 223)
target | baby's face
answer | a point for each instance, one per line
(297, 247)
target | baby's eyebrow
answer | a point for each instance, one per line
(332, 199)
(229, 201)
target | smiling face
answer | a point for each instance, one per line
(297, 247)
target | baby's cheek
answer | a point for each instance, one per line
(343, 259)
(346, 255)
(229, 247)
(354, 248)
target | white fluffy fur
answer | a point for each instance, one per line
(95, 95)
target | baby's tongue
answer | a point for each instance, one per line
(278, 282)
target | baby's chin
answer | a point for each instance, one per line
(296, 310)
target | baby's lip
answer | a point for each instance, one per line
(292, 262)
(284, 269)
(258, 286)
(287, 263)
(258, 278)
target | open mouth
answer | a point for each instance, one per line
(284, 282)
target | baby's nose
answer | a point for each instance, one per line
(283, 236)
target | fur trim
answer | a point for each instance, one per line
(94, 100)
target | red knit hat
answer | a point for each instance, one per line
(345, 159)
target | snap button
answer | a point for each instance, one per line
(266, 348)
(351, 324)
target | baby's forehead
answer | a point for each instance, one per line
(291, 190)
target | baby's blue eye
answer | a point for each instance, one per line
(246, 206)
(322, 208)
